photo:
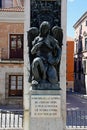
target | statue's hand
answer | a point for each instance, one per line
(35, 48)
(39, 44)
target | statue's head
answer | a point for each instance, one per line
(44, 28)
(56, 30)
(32, 33)
(58, 34)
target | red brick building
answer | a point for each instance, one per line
(70, 64)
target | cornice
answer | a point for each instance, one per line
(12, 17)
(84, 16)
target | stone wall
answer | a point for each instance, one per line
(9, 28)
(8, 67)
(5, 70)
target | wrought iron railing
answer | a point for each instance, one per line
(76, 118)
(11, 119)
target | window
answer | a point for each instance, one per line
(19, 3)
(75, 67)
(16, 46)
(86, 23)
(81, 29)
(84, 66)
(15, 85)
(76, 47)
(85, 43)
(7, 3)
(0, 3)
(80, 66)
(79, 69)
(11, 3)
(22, 2)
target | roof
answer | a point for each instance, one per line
(80, 19)
(13, 9)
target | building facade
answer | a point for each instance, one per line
(80, 54)
(11, 3)
(12, 48)
(11, 55)
(70, 64)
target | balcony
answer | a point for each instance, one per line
(5, 58)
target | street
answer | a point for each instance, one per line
(76, 102)
(76, 110)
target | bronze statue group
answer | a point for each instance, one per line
(45, 49)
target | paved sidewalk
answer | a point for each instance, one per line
(76, 101)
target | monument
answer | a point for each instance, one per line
(43, 89)
(45, 55)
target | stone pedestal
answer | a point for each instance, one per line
(45, 110)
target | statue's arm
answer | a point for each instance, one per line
(34, 49)
(56, 54)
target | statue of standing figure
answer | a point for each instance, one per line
(47, 55)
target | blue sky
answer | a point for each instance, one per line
(75, 9)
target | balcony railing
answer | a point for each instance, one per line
(11, 118)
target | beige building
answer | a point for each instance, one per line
(11, 55)
(12, 48)
(80, 54)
